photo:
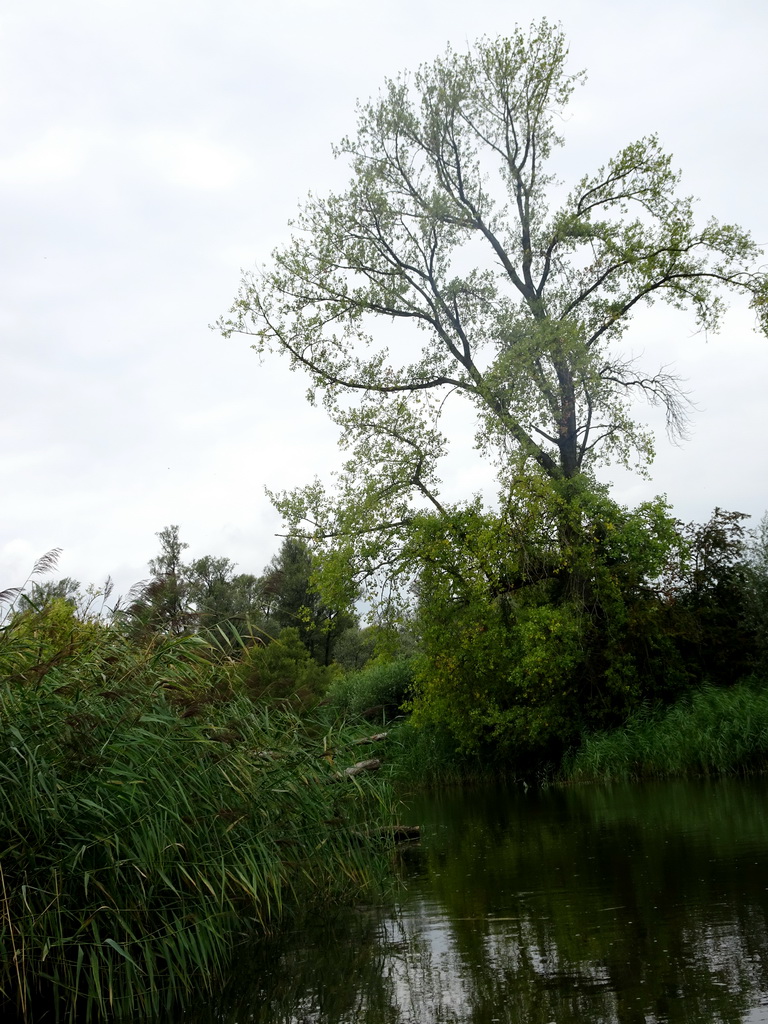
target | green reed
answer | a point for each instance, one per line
(711, 731)
(150, 818)
(428, 758)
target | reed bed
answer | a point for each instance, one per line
(150, 818)
(427, 758)
(712, 731)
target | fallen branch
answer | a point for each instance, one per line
(372, 765)
(376, 738)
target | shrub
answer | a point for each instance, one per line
(283, 668)
(379, 689)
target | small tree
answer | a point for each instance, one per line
(209, 589)
(294, 602)
(757, 590)
(717, 633)
(161, 605)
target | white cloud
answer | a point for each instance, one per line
(57, 155)
(189, 161)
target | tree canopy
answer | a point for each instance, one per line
(456, 266)
(503, 289)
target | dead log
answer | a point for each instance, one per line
(372, 765)
(404, 833)
(376, 738)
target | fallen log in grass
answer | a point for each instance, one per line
(376, 738)
(372, 765)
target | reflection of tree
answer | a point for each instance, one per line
(685, 938)
(628, 906)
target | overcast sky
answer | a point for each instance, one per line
(149, 149)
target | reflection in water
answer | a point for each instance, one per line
(627, 905)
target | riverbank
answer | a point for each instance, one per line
(710, 731)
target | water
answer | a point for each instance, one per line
(631, 904)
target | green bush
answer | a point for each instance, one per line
(283, 668)
(377, 691)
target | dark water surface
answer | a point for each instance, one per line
(631, 904)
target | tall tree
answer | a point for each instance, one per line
(210, 589)
(293, 600)
(446, 232)
(161, 604)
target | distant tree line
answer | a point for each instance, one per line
(207, 595)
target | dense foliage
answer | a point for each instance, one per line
(152, 814)
(567, 640)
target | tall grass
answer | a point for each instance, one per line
(150, 817)
(712, 731)
(428, 758)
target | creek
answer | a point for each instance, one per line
(628, 904)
